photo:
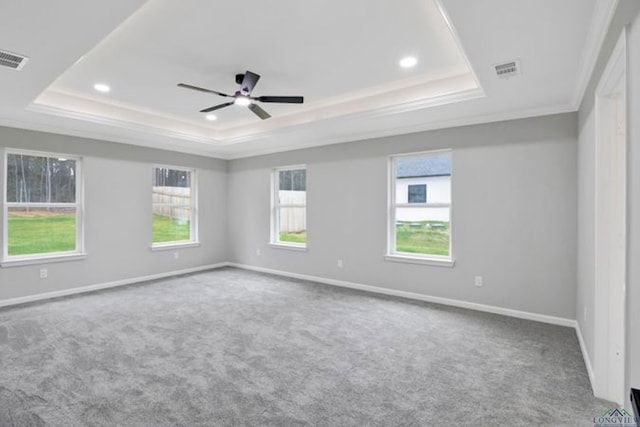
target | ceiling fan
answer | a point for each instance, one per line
(247, 82)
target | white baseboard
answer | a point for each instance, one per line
(90, 288)
(585, 356)
(413, 295)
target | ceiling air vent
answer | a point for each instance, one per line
(12, 60)
(508, 69)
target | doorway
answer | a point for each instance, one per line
(611, 228)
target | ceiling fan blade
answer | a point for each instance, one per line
(201, 89)
(216, 107)
(259, 111)
(249, 82)
(283, 99)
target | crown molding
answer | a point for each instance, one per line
(443, 99)
(403, 130)
(600, 22)
(122, 124)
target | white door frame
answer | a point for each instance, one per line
(611, 228)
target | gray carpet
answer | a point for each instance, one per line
(230, 347)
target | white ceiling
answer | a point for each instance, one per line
(341, 56)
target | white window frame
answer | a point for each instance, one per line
(276, 206)
(392, 254)
(193, 222)
(79, 253)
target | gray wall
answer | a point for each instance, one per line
(626, 15)
(514, 209)
(118, 215)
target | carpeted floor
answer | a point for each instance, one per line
(230, 347)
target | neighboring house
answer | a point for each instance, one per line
(420, 181)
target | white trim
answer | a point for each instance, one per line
(561, 321)
(224, 152)
(121, 124)
(78, 253)
(43, 259)
(609, 290)
(300, 247)
(398, 131)
(91, 288)
(598, 28)
(585, 356)
(173, 245)
(404, 107)
(436, 262)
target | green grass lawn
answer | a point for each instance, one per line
(423, 237)
(166, 229)
(41, 234)
(294, 237)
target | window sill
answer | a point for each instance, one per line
(43, 259)
(436, 262)
(290, 247)
(170, 246)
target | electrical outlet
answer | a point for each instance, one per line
(478, 281)
(340, 263)
(43, 273)
(258, 251)
(176, 255)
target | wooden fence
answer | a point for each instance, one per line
(293, 219)
(173, 202)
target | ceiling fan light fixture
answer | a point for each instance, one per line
(242, 100)
(243, 96)
(408, 62)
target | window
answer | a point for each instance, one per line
(42, 206)
(418, 193)
(174, 207)
(289, 213)
(420, 227)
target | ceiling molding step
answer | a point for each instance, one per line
(403, 130)
(600, 22)
(173, 145)
(121, 124)
(447, 98)
(456, 37)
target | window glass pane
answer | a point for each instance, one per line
(417, 193)
(292, 198)
(284, 178)
(423, 179)
(41, 230)
(299, 180)
(293, 225)
(165, 177)
(423, 231)
(171, 205)
(38, 179)
(292, 180)
(437, 164)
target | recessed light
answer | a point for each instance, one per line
(408, 62)
(101, 87)
(211, 117)
(242, 100)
